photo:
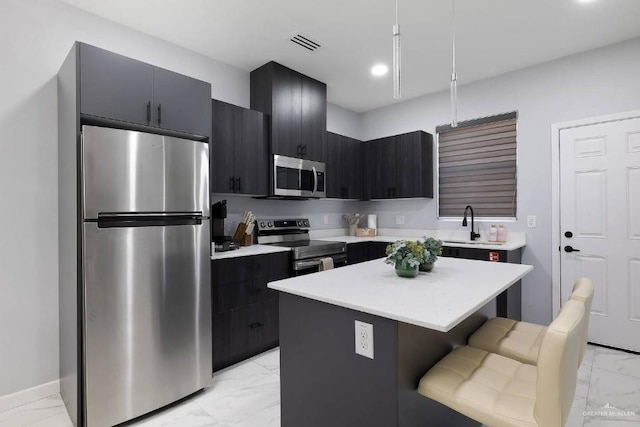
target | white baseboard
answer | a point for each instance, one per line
(29, 395)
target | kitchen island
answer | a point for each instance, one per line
(415, 323)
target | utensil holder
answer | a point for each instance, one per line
(240, 233)
(247, 240)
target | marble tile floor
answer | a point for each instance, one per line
(248, 395)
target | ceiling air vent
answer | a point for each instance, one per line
(305, 41)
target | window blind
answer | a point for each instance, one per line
(477, 167)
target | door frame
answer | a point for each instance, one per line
(555, 193)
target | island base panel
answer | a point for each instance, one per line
(323, 381)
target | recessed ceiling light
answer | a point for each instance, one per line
(586, 1)
(379, 70)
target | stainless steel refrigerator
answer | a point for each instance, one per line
(146, 289)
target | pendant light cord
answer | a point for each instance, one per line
(453, 35)
(454, 75)
(396, 12)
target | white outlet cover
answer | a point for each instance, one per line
(364, 339)
(326, 219)
(531, 221)
(399, 219)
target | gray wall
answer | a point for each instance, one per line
(315, 210)
(343, 121)
(594, 83)
(36, 36)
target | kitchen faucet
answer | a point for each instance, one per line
(464, 222)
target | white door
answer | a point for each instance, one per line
(600, 220)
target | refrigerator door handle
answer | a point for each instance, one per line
(107, 215)
(165, 219)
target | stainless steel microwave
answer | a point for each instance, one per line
(298, 177)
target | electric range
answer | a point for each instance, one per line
(294, 234)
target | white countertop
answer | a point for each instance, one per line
(438, 300)
(248, 251)
(450, 238)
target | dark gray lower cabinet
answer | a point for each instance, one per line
(245, 311)
(244, 332)
(509, 303)
(365, 251)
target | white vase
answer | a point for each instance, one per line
(352, 229)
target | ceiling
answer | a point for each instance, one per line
(493, 36)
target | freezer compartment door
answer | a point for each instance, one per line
(128, 171)
(147, 318)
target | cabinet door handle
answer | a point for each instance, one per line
(239, 184)
(232, 184)
(149, 112)
(255, 325)
(304, 150)
(159, 114)
(300, 150)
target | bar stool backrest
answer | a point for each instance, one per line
(557, 362)
(583, 291)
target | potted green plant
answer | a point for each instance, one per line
(432, 250)
(406, 256)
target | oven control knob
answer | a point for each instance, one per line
(300, 223)
(262, 225)
(270, 224)
(306, 223)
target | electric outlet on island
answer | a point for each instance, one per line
(364, 339)
(399, 219)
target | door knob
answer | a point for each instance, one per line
(568, 234)
(570, 249)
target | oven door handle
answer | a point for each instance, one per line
(307, 264)
(315, 179)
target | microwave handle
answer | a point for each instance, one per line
(315, 180)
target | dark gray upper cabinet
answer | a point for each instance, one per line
(239, 150)
(381, 168)
(314, 120)
(181, 103)
(222, 147)
(344, 167)
(298, 108)
(400, 166)
(334, 172)
(114, 87)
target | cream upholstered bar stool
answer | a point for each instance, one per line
(501, 392)
(521, 340)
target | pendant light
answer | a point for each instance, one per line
(397, 86)
(454, 75)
